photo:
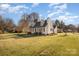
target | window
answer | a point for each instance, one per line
(43, 29)
(35, 29)
(51, 29)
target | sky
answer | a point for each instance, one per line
(68, 12)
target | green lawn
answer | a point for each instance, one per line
(54, 45)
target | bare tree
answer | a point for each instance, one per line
(27, 20)
(9, 25)
(33, 16)
(72, 28)
(2, 24)
(65, 29)
(78, 28)
(23, 24)
(60, 25)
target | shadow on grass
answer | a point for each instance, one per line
(26, 36)
(21, 35)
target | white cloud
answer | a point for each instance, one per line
(60, 12)
(63, 17)
(67, 13)
(48, 11)
(58, 9)
(53, 4)
(17, 8)
(74, 17)
(52, 14)
(61, 7)
(35, 4)
(4, 6)
(12, 9)
(40, 15)
(68, 18)
(55, 13)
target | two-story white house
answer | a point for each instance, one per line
(44, 27)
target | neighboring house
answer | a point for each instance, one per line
(44, 27)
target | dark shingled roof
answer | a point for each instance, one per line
(38, 24)
(45, 23)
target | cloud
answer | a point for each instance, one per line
(17, 8)
(40, 15)
(35, 4)
(52, 14)
(68, 18)
(53, 4)
(12, 9)
(73, 17)
(60, 12)
(67, 13)
(61, 7)
(58, 9)
(55, 13)
(48, 11)
(4, 7)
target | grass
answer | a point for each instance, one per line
(54, 45)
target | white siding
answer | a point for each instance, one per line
(49, 28)
(55, 30)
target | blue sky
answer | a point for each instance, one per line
(68, 12)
